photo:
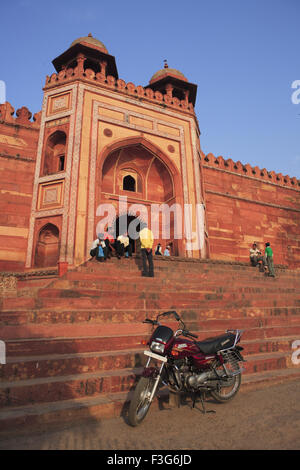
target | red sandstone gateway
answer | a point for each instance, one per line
(187, 366)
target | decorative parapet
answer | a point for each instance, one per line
(119, 85)
(8, 284)
(23, 116)
(220, 163)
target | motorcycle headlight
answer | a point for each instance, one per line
(157, 347)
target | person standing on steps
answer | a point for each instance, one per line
(269, 259)
(147, 239)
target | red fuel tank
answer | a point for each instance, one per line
(184, 348)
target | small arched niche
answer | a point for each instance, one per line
(55, 153)
(129, 183)
(47, 246)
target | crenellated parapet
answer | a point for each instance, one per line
(220, 163)
(22, 117)
(119, 85)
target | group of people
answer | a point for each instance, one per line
(167, 251)
(265, 261)
(105, 245)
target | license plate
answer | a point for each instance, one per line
(155, 356)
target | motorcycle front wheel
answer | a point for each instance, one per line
(140, 403)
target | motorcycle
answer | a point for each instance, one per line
(187, 366)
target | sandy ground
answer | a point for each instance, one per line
(266, 419)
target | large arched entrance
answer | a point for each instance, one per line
(139, 172)
(131, 225)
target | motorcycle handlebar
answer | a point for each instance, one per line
(187, 333)
(170, 312)
(184, 332)
(153, 322)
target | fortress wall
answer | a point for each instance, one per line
(18, 144)
(245, 204)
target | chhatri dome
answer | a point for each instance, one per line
(90, 41)
(95, 55)
(167, 72)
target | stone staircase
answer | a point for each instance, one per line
(74, 343)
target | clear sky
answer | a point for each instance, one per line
(242, 54)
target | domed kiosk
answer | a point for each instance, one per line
(94, 52)
(173, 83)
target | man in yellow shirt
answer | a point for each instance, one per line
(147, 239)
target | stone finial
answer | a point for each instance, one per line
(23, 115)
(166, 64)
(6, 112)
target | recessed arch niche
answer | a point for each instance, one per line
(55, 153)
(153, 180)
(47, 246)
(157, 182)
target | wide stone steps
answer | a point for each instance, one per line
(74, 343)
(107, 405)
(25, 320)
(257, 326)
(88, 299)
(21, 368)
(97, 382)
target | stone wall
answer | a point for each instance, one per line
(243, 203)
(246, 204)
(18, 144)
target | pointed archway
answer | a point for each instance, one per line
(136, 169)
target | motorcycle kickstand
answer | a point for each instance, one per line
(204, 410)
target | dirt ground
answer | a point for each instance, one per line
(266, 419)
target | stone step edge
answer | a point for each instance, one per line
(16, 419)
(210, 334)
(121, 372)
(124, 352)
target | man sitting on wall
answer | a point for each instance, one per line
(256, 257)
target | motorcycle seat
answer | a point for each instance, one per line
(213, 345)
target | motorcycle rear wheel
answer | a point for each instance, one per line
(140, 404)
(227, 391)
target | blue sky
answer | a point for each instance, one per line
(242, 54)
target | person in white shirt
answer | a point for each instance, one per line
(167, 251)
(94, 247)
(124, 246)
(98, 248)
(256, 257)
